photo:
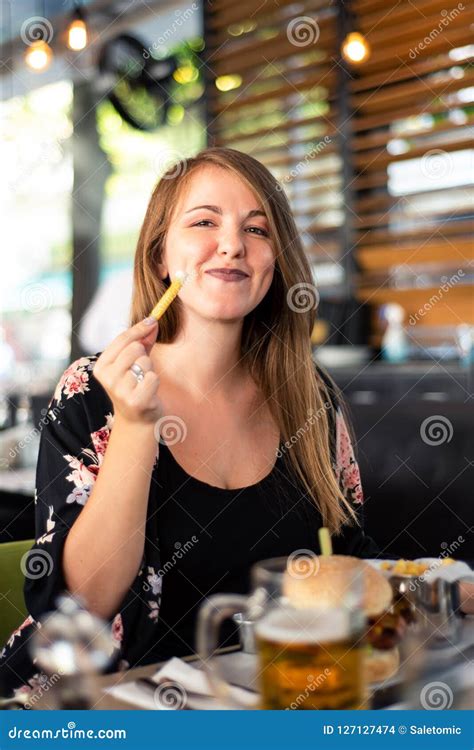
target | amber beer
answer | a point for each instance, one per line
(310, 660)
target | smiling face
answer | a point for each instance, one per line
(219, 223)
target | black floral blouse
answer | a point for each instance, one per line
(73, 444)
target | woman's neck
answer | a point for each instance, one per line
(206, 360)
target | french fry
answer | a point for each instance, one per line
(165, 301)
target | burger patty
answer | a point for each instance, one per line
(386, 631)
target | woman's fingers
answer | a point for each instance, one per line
(132, 353)
(139, 396)
(146, 392)
(139, 331)
(145, 365)
(134, 397)
(144, 362)
(150, 339)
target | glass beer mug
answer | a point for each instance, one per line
(308, 629)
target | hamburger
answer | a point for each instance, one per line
(323, 582)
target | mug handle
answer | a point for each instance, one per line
(212, 614)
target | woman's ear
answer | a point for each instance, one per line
(162, 271)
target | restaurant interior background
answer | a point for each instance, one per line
(361, 110)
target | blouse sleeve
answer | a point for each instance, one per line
(352, 540)
(70, 455)
(74, 437)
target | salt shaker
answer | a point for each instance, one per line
(71, 646)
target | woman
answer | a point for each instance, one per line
(190, 449)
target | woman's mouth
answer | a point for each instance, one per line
(228, 275)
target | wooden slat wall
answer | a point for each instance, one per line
(285, 111)
(411, 101)
(412, 107)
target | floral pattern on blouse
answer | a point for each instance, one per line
(82, 475)
(347, 469)
(117, 629)
(74, 380)
(72, 448)
(50, 524)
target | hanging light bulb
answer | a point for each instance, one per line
(37, 32)
(77, 36)
(355, 48)
(38, 56)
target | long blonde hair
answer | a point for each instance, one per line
(276, 346)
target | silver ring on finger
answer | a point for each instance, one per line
(138, 372)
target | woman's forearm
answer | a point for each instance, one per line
(104, 547)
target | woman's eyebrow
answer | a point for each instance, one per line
(217, 210)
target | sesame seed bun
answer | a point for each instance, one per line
(323, 581)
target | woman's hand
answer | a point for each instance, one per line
(133, 401)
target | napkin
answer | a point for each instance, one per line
(449, 573)
(179, 679)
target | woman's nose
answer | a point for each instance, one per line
(231, 243)
(232, 249)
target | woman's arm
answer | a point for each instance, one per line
(104, 548)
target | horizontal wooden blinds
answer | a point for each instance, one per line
(412, 108)
(274, 85)
(281, 58)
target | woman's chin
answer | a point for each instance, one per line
(226, 314)
(219, 308)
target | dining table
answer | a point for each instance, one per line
(241, 668)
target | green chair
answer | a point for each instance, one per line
(12, 604)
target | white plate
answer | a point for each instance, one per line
(435, 568)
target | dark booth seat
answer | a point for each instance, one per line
(418, 496)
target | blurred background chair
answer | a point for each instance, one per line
(12, 604)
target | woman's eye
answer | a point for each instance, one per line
(202, 222)
(259, 230)
(254, 230)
